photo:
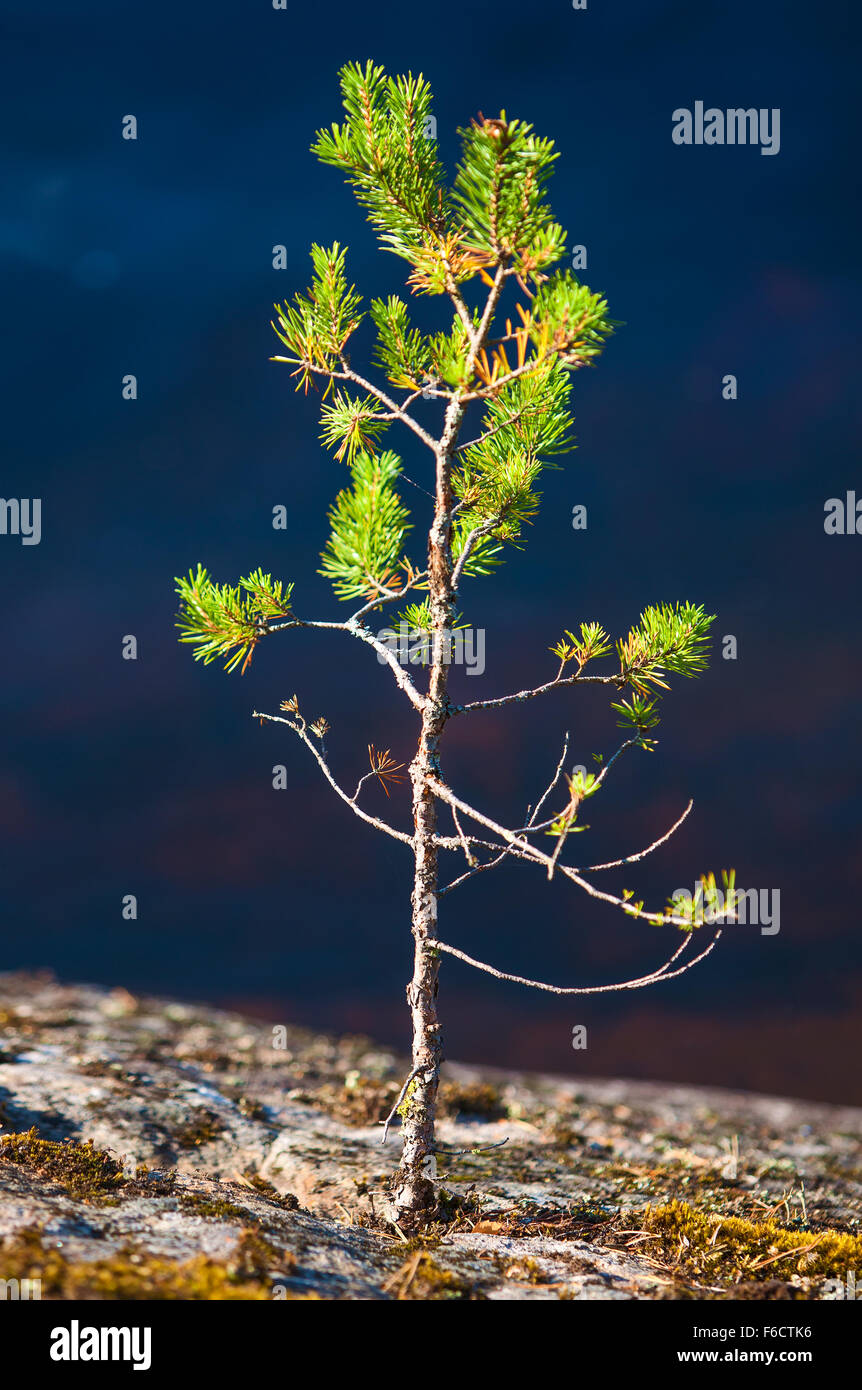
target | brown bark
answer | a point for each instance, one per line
(414, 1187)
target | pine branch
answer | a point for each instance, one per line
(369, 526)
(229, 620)
(525, 850)
(664, 972)
(401, 349)
(641, 854)
(499, 190)
(316, 326)
(384, 150)
(492, 864)
(299, 727)
(669, 638)
(352, 426)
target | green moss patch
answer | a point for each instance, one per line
(199, 1205)
(730, 1250)
(84, 1171)
(422, 1279)
(702, 1251)
(133, 1274)
(478, 1101)
(286, 1200)
(202, 1127)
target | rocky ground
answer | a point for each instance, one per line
(151, 1149)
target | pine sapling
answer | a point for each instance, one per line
(518, 328)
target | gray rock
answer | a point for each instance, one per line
(215, 1112)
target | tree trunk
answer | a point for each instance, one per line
(414, 1186)
(414, 1191)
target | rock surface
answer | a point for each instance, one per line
(255, 1150)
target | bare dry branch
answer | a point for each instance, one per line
(553, 782)
(388, 596)
(510, 849)
(476, 534)
(521, 696)
(533, 853)
(467, 852)
(655, 977)
(477, 869)
(356, 628)
(398, 412)
(633, 858)
(299, 729)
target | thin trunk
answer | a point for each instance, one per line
(414, 1187)
(414, 1192)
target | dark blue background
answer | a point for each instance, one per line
(150, 778)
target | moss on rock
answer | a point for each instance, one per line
(733, 1251)
(133, 1274)
(84, 1171)
(423, 1279)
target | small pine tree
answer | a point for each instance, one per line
(491, 231)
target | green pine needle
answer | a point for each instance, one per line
(229, 620)
(316, 326)
(668, 639)
(369, 526)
